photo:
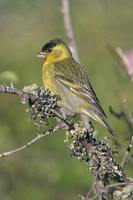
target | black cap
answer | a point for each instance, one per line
(52, 43)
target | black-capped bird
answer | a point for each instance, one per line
(63, 76)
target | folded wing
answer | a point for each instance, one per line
(71, 75)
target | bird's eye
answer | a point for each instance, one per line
(49, 50)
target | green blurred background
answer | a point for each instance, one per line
(46, 171)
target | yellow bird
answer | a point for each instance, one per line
(63, 76)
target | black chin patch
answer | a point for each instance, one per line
(52, 43)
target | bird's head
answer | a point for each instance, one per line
(54, 51)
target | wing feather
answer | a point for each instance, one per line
(71, 75)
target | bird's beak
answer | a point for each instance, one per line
(41, 55)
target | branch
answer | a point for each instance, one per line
(124, 60)
(106, 190)
(98, 157)
(42, 105)
(34, 140)
(82, 143)
(65, 9)
(11, 90)
(129, 121)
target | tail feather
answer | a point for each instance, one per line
(101, 120)
(107, 126)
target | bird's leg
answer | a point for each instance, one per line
(62, 121)
(87, 123)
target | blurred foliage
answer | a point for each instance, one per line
(9, 77)
(46, 171)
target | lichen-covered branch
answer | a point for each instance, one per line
(99, 159)
(10, 90)
(109, 177)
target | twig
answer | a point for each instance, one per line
(65, 9)
(128, 150)
(34, 140)
(10, 90)
(128, 113)
(116, 114)
(122, 59)
(88, 196)
(130, 123)
(121, 184)
(109, 187)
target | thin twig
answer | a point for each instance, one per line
(130, 122)
(116, 114)
(10, 90)
(128, 113)
(121, 184)
(120, 57)
(88, 196)
(128, 150)
(34, 140)
(65, 9)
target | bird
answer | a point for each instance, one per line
(65, 77)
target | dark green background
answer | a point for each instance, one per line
(46, 171)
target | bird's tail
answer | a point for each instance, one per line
(107, 126)
(102, 121)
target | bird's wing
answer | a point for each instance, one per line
(71, 75)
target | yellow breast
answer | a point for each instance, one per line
(48, 78)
